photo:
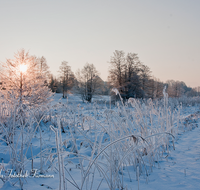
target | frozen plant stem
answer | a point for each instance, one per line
(113, 142)
(41, 164)
(111, 167)
(138, 177)
(32, 157)
(58, 152)
(62, 162)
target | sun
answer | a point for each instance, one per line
(23, 68)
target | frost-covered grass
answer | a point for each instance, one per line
(88, 146)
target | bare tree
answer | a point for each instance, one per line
(67, 77)
(54, 84)
(22, 80)
(155, 88)
(145, 76)
(128, 75)
(175, 88)
(44, 69)
(88, 82)
(131, 79)
(117, 64)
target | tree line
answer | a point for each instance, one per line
(126, 73)
(133, 79)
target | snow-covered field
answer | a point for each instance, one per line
(78, 145)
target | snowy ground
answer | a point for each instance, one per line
(180, 169)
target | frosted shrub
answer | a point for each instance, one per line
(125, 140)
(150, 128)
(102, 147)
(18, 128)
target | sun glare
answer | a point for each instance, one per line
(23, 68)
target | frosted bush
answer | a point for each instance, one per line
(102, 146)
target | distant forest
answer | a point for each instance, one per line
(126, 73)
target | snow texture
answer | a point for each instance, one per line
(176, 169)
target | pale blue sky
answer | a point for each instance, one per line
(164, 33)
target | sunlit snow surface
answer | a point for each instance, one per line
(179, 170)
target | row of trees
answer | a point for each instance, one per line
(134, 79)
(126, 73)
(129, 75)
(85, 82)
